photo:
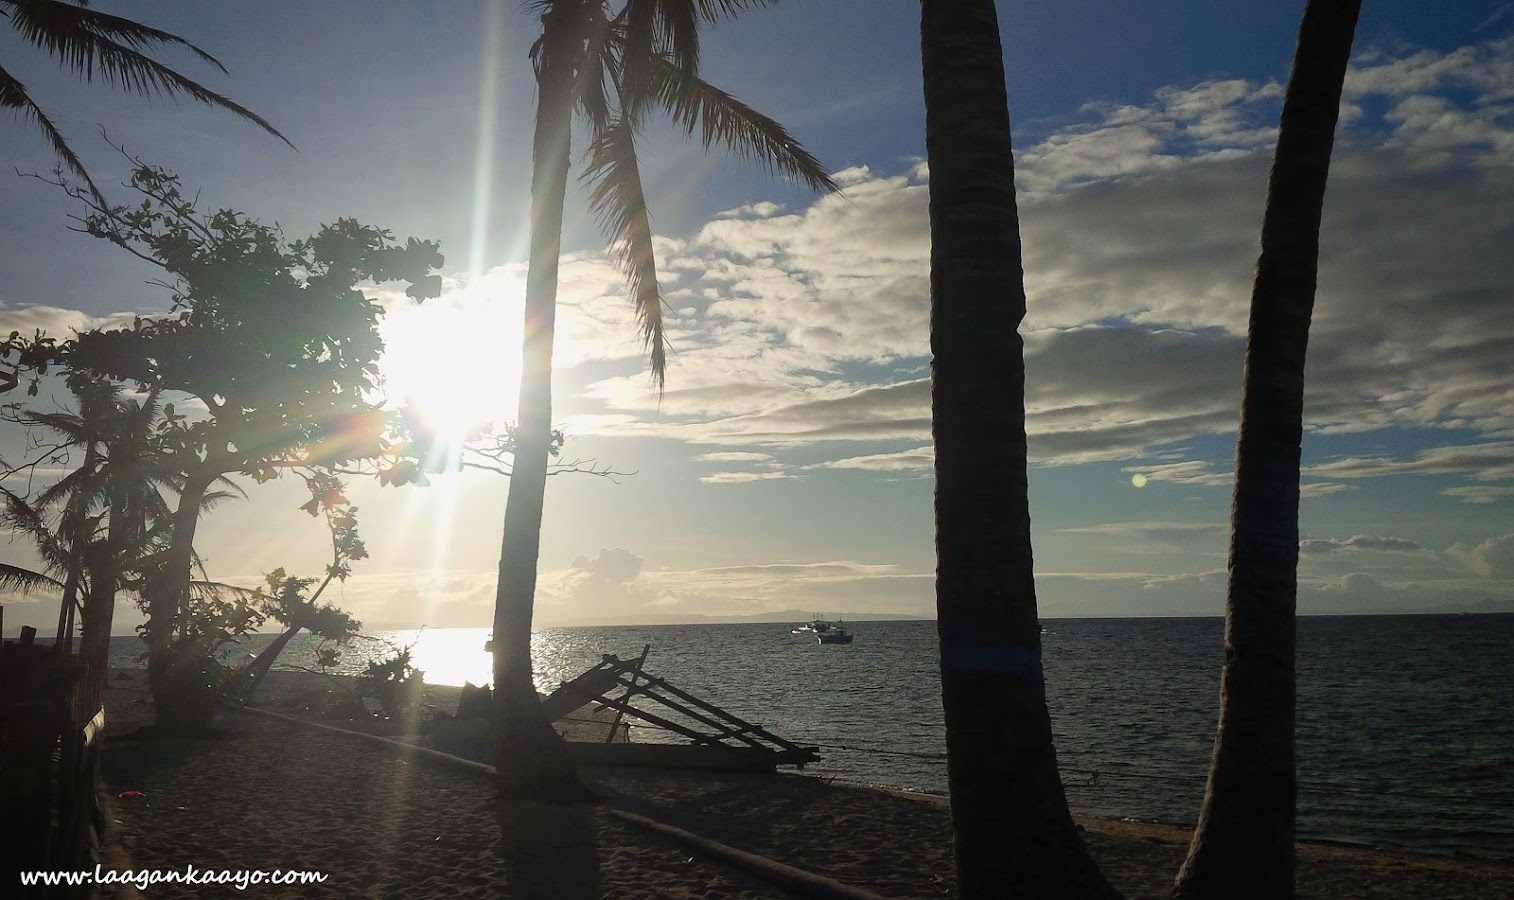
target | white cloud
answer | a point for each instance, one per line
(1482, 462)
(1193, 471)
(916, 459)
(1493, 558)
(1481, 494)
(743, 477)
(1358, 542)
(1140, 223)
(1321, 488)
(1122, 529)
(56, 322)
(590, 590)
(734, 456)
(798, 319)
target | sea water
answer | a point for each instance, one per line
(1405, 730)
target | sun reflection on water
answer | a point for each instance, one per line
(452, 656)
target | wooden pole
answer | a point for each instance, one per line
(619, 713)
(653, 681)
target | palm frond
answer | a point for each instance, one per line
(651, 28)
(22, 517)
(211, 499)
(715, 10)
(69, 425)
(719, 118)
(90, 43)
(16, 578)
(217, 590)
(83, 482)
(618, 201)
(601, 61)
(60, 28)
(13, 95)
(231, 487)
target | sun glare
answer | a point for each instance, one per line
(455, 360)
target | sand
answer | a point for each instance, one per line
(268, 794)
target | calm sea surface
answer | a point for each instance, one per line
(1405, 723)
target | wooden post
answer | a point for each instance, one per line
(620, 713)
(713, 710)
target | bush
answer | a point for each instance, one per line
(397, 685)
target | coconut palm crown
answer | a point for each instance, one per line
(623, 64)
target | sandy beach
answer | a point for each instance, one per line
(268, 793)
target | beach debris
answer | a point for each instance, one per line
(130, 795)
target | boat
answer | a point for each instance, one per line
(817, 626)
(834, 634)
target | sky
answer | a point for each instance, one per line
(788, 464)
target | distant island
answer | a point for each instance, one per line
(785, 615)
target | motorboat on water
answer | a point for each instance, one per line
(835, 634)
(825, 632)
(817, 626)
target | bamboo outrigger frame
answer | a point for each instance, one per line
(729, 743)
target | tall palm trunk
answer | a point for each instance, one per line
(1014, 835)
(167, 589)
(73, 530)
(530, 757)
(100, 608)
(258, 669)
(1244, 844)
(63, 640)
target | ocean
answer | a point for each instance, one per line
(1405, 723)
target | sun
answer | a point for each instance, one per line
(455, 360)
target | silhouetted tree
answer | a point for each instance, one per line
(288, 601)
(93, 44)
(1244, 844)
(1014, 834)
(105, 508)
(276, 341)
(610, 67)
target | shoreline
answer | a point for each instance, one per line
(882, 840)
(283, 686)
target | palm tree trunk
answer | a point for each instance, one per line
(1014, 835)
(257, 670)
(100, 612)
(167, 590)
(63, 640)
(1244, 844)
(531, 759)
(74, 531)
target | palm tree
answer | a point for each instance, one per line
(1244, 844)
(91, 43)
(107, 506)
(610, 68)
(1014, 835)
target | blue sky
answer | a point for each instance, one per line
(788, 464)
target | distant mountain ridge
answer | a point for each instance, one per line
(796, 616)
